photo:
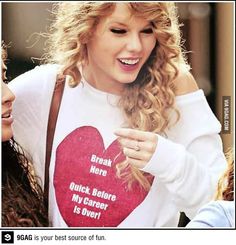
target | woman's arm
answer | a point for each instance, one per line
(189, 160)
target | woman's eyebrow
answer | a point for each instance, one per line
(117, 22)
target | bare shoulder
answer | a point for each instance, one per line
(184, 83)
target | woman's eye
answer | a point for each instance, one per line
(148, 31)
(118, 31)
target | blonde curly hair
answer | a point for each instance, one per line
(225, 187)
(146, 101)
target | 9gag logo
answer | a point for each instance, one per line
(7, 236)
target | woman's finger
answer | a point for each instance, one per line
(138, 145)
(139, 155)
(137, 163)
(135, 134)
(129, 143)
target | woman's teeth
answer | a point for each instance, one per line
(129, 62)
(6, 116)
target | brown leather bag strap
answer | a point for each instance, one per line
(52, 120)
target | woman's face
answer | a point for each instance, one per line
(7, 99)
(119, 47)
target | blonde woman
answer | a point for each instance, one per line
(135, 141)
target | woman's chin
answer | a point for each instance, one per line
(128, 79)
(7, 134)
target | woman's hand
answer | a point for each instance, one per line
(138, 146)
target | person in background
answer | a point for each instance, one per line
(135, 141)
(219, 213)
(22, 199)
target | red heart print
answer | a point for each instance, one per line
(88, 192)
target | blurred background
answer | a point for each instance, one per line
(208, 31)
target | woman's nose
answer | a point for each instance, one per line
(134, 43)
(7, 95)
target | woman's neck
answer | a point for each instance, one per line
(100, 83)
